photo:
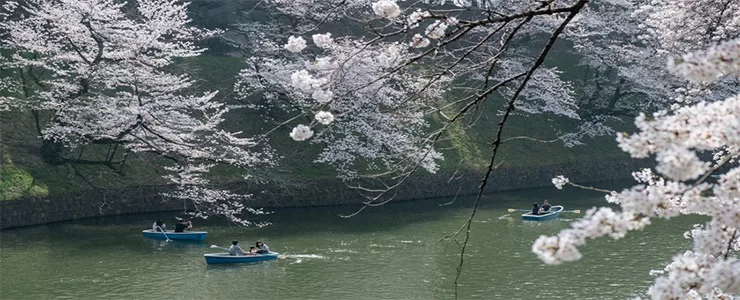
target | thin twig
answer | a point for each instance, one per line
(729, 245)
(590, 188)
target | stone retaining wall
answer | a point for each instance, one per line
(94, 203)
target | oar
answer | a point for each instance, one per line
(513, 210)
(222, 248)
(165, 233)
(577, 211)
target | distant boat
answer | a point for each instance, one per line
(187, 235)
(225, 258)
(552, 214)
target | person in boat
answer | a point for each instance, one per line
(159, 226)
(536, 209)
(253, 250)
(235, 250)
(262, 248)
(545, 208)
(183, 224)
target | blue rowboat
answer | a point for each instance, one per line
(225, 258)
(187, 235)
(553, 214)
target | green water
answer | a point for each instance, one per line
(388, 252)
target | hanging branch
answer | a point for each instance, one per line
(510, 107)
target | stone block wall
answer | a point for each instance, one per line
(318, 192)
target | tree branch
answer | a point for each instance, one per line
(510, 107)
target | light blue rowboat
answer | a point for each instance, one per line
(187, 235)
(225, 258)
(553, 214)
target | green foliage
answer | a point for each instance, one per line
(16, 182)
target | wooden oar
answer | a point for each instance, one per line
(576, 211)
(165, 233)
(214, 246)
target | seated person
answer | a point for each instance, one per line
(262, 248)
(235, 250)
(182, 225)
(535, 209)
(159, 226)
(253, 250)
(545, 207)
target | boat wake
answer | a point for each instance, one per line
(298, 258)
(342, 251)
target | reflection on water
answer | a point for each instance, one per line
(389, 252)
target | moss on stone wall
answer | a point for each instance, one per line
(16, 182)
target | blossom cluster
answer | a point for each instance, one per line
(354, 108)
(386, 9)
(192, 186)
(295, 44)
(717, 61)
(681, 187)
(108, 80)
(689, 25)
(560, 181)
(704, 126)
(597, 222)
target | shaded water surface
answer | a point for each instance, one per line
(388, 252)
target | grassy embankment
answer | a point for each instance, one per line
(24, 173)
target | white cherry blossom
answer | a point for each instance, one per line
(301, 133)
(418, 41)
(436, 30)
(322, 40)
(386, 9)
(324, 117)
(296, 44)
(560, 181)
(322, 96)
(416, 17)
(709, 270)
(108, 79)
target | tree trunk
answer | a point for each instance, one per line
(51, 152)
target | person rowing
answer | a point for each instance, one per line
(235, 250)
(159, 226)
(545, 208)
(535, 209)
(183, 225)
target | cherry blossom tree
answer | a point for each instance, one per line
(101, 70)
(413, 65)
(623, 60)
(683, 185)
(344, 92)
(628, 41)
(379, 101)
(7, 87)
(676, 137)
(468, 51)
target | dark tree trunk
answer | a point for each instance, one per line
(51, 152)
